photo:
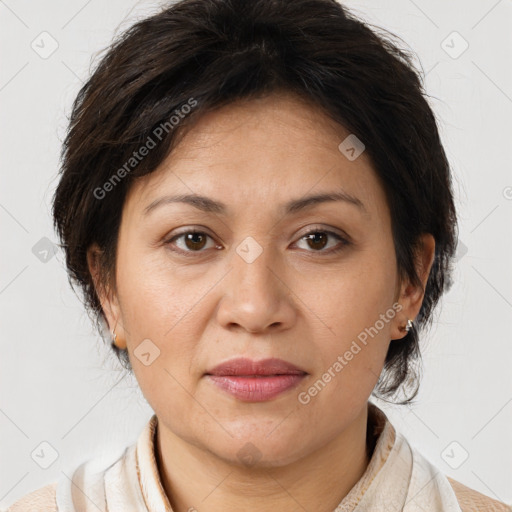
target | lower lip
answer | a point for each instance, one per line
(256, 389)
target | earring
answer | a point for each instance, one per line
(408, 326)
(114, 335)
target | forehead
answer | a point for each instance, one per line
(266, 150)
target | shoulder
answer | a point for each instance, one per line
(42, 500)
(473, 501)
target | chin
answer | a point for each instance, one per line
(258, 449)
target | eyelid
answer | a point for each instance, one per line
(325, 229)
(195, 229)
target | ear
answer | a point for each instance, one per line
(411, 296)
(108, 299)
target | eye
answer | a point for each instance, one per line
(193, 241)
(318, 240)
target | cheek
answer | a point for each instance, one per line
(353, 337)
(157, 296)
(350, 368)
(352, 299)
(159, 308)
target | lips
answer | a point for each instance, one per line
(255, 381)
(242, 366)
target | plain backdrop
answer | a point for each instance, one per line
(59, 385)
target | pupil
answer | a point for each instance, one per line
(190, 238)
(314, 239)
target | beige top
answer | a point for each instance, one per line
(137, 472)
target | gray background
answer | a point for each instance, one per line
(58, 383)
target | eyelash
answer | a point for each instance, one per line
(344, 241)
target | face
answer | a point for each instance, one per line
(315, 285)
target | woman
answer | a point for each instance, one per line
(255, 200)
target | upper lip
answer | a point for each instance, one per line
(244, 366)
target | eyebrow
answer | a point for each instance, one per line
(209, 205)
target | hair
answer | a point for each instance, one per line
(208, 53)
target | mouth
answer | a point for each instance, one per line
(255, 381)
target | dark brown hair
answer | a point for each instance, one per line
(213, 52)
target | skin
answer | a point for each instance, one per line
(295, 301)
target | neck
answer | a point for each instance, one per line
(194, 478)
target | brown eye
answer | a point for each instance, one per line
(191, 241)
(318, 239)
(195, 241)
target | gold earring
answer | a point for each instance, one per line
(408, 326)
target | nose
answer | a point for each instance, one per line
(255, 295)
